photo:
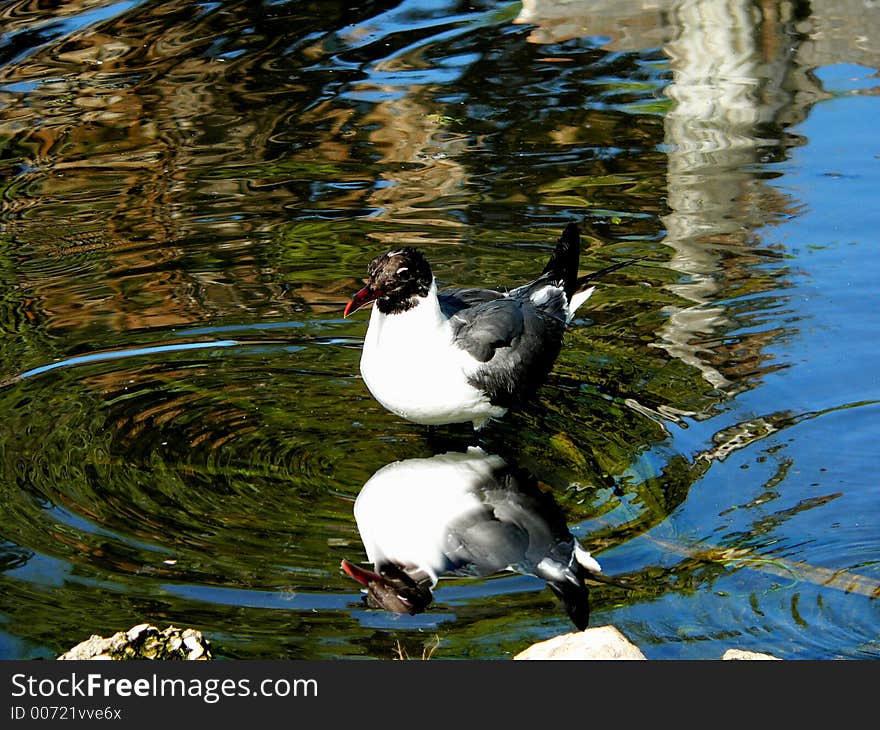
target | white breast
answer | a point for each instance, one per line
(405, 509)
(412, 367)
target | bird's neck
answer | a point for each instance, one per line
(424, 316)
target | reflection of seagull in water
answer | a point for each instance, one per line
(461, 355)
(466, 514)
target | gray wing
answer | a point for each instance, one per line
(482, 328)
(515, 340)
(517, 528)
(454, 300)
(550, 544)
(480, 544)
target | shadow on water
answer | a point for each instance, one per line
(191, 192)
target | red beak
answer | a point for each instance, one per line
(364, 296)
(400, 594)
(361, 575)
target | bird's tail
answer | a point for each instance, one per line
(563, 264)
(562, 267)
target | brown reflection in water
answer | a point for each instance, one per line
(137, 140)
(112, 137)
(424, 178)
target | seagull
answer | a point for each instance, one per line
(458, 355)
(467, 514)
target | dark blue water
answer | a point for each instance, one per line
(191, 192)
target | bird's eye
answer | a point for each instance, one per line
(402, 269)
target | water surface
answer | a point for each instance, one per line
(192, 191)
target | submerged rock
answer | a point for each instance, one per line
(600, 642)
(144, 642)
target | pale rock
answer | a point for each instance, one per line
(144, 642)
(739, 654)
(600, 642)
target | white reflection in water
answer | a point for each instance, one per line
(464, 514)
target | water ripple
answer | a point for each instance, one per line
(120, 354)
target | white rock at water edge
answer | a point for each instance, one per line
(600, 642)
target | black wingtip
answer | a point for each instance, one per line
(571, 233)
(582, 283)
(576, 599)
(563, 263)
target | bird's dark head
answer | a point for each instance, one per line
(396, 282)
(392, 588)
